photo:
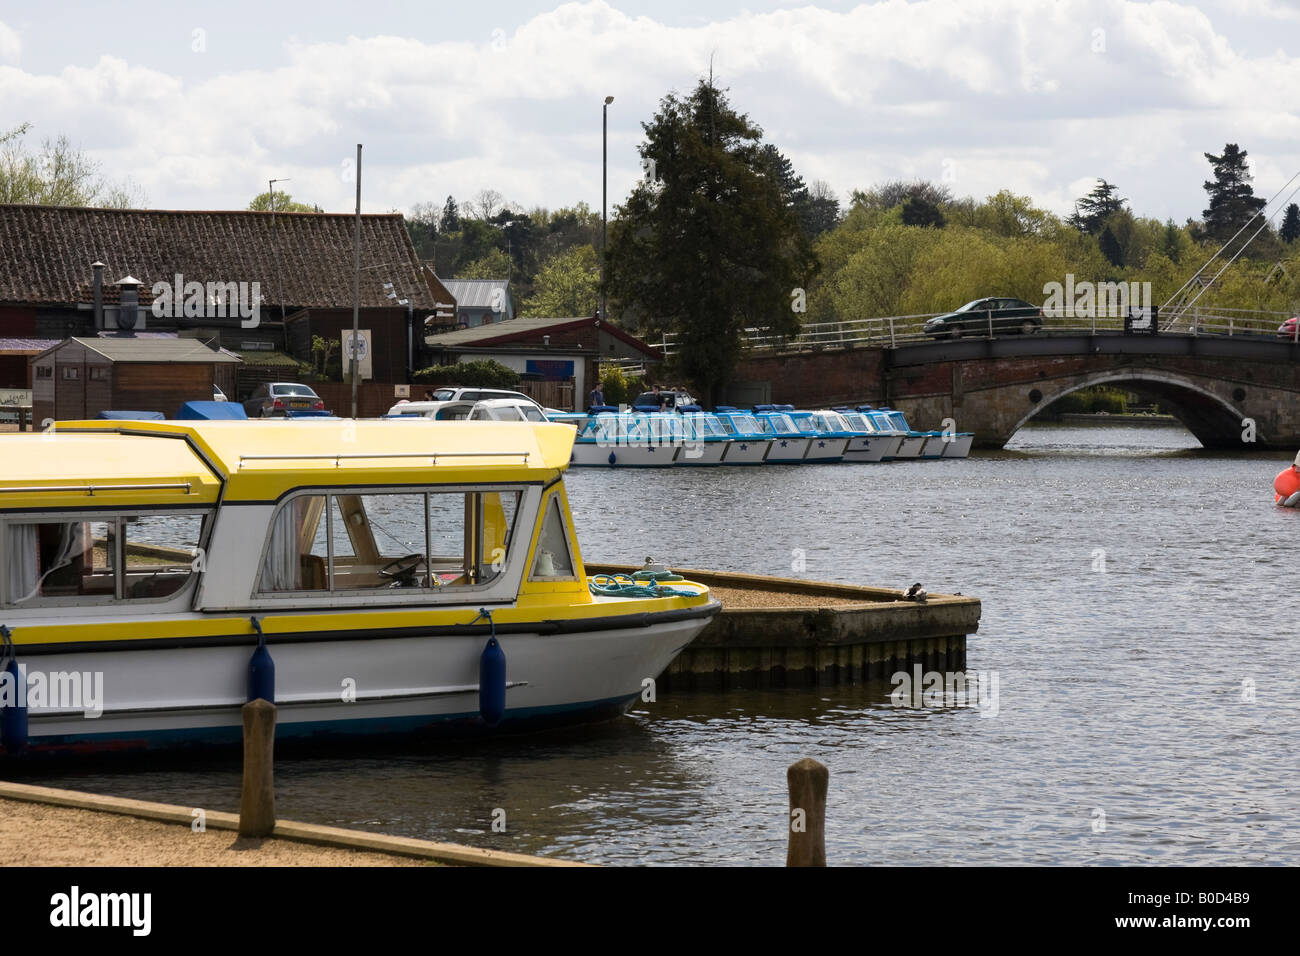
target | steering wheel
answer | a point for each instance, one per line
(401, 571)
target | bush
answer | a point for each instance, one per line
(1090, 401)
(484, 373)
(618, 387)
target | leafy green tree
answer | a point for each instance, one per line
(893, 192)
(710, 248)
(874, 279)
(283, 203)
(820, 212)
(1232, 200)
(567, 285)
(495, 265)
(919, 211)
(58, 175)
(1007, 214)
(1092, 211)
(1290, 230)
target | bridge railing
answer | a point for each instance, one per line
(894, 330)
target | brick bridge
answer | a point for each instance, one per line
(992, 386)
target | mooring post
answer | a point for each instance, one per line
(807, 780)
(257, 802)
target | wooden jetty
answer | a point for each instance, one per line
(790, 632)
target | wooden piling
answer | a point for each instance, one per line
(257, 801)
(807, 780)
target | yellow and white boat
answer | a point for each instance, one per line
(372, 577)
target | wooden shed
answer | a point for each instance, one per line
(81, 377)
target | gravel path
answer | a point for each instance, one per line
(34, 834)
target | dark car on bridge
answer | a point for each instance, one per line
(973, 318)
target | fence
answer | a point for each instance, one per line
(550, 394)
(894, 330)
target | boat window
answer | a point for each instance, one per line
(128, 557)
(389, 540)
(159, 553)
(552, 560)
(727, 426)
(533, 414)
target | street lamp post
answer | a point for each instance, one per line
(604, 189)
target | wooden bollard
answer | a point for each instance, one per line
(257, 802)
(807, 780)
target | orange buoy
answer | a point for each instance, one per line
(1286, 484)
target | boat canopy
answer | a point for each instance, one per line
(182, 463)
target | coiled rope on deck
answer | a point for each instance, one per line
(621, 585)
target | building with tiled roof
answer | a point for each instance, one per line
(257, 283)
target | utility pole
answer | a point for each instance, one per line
(356, 287)
(604, 189)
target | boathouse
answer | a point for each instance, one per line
(81, 377)
(266, 286)
(564, 351)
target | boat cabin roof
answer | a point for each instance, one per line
(184, 463)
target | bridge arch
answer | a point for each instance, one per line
(1215, 421)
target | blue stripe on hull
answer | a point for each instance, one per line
(469, 724)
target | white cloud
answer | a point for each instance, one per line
(1033, 95)
(11, 47)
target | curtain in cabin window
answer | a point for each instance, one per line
(281, 572)
(72, 542)
(24, 562)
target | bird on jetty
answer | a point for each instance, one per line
(916, 593)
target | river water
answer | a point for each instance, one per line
(1135, 611)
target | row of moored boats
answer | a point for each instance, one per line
(765, 434)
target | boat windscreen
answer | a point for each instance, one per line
(709, 426)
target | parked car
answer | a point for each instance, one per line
(458, 395)
(273, 399)
(1287, 329)
(1008, 315)
(667, 399)
(507, 410)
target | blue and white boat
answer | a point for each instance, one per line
(829, 435)
(610, 438)
(909, 443)
(789, 443)
(869, 443)
(704, 440)
(748, 445)
(938, 444)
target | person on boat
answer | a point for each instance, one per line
(597, 397)
(1286, 486)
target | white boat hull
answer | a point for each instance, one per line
(702, 452)
(826, 449)
(788, 451)
(871, 448)
(746, 451)
(933, 447)
(418, 683)
(959, 447)
(910, 446)
(653, 455)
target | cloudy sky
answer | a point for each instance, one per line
(201, 104)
